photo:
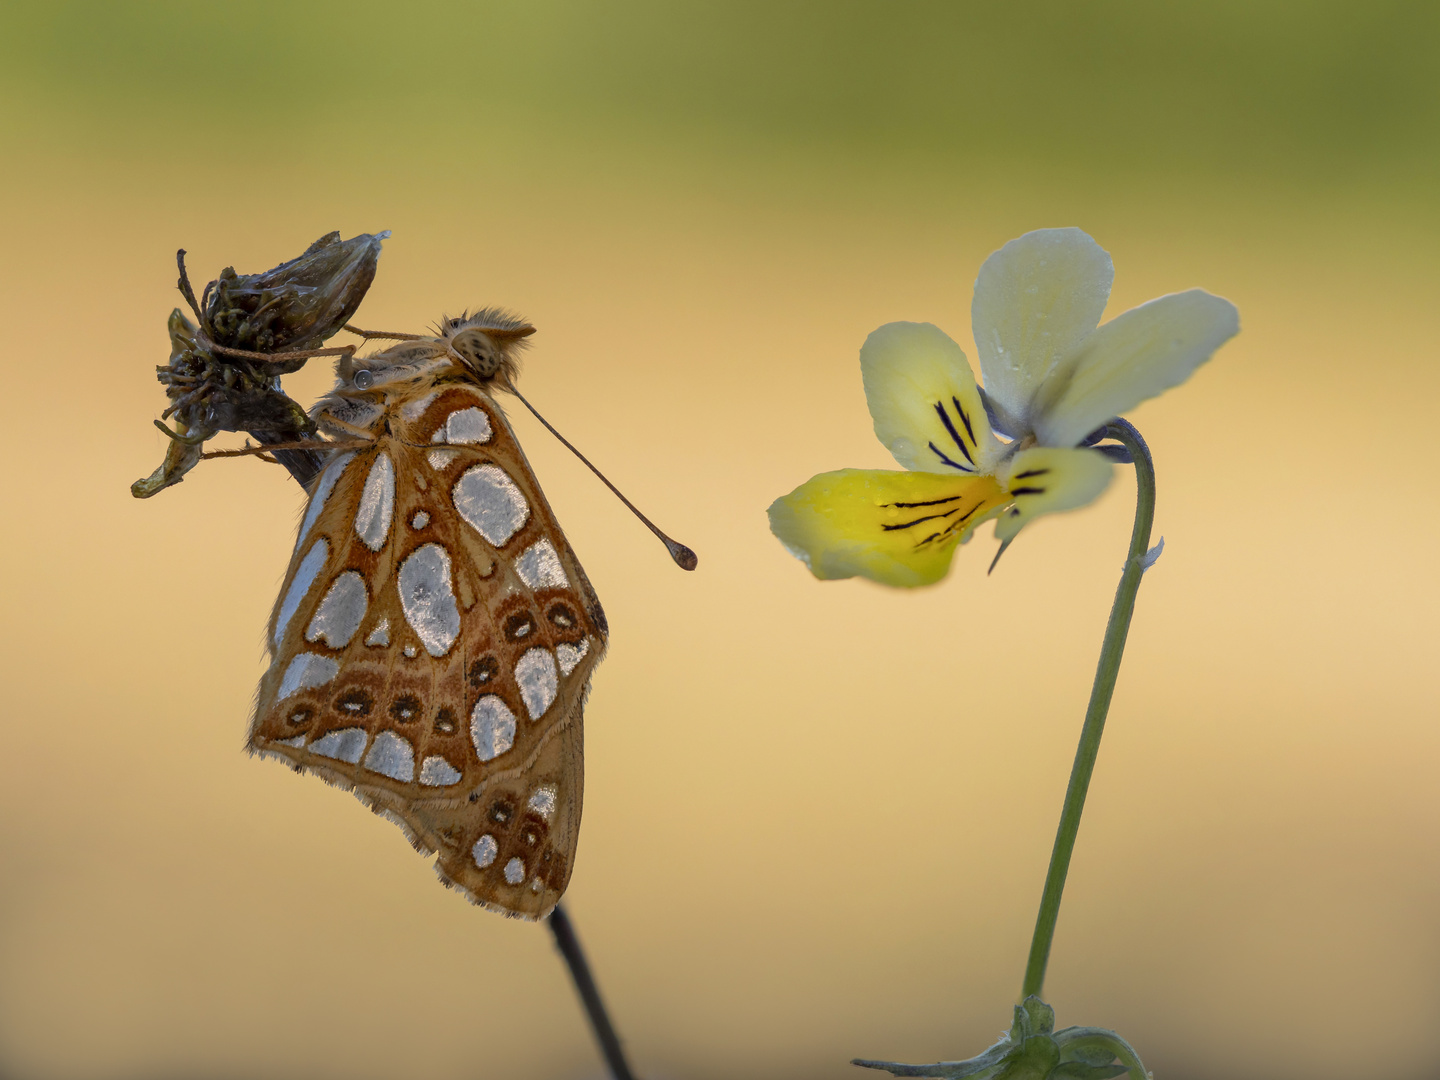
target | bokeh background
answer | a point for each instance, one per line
(817, 815)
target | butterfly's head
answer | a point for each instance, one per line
(488, 343)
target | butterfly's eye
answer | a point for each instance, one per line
(364, 379)
(477, 351)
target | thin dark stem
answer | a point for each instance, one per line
(569, 945)
(304, 465)
(1106, 672)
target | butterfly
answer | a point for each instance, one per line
(433, 641)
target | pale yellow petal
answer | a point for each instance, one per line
(923, 399)
(898, 528)
(1131, 358)
(1045, 480)
(1035, 301)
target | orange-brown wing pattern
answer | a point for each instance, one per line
(433, 644)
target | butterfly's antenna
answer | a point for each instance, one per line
(683, 556)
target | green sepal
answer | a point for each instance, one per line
(1096, 1049)
(1039, 1017)
(1034, 1059)
(986, 1066)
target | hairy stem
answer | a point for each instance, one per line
(1105, 674)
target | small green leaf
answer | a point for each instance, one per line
(1020, 1026)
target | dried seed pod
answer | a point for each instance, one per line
(297, 305)
(224, 375)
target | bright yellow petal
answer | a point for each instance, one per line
(1035, 300)
(898, 528)
(1044, 480)
(923, 399)
(1131, 358)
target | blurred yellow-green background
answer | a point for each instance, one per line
(817, 815)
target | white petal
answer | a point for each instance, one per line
(1035, 300)
(924, 401)
(1131, 358)
(1045, 479)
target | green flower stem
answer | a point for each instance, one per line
(1105, 674)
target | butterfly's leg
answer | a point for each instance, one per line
(186, 398)
(300, 444)
(325, 417)
(262, 452)
(370, 335)
(277, 357)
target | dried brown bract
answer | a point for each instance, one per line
(223, 374)
(297, 305)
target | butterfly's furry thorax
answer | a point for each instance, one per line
(485, 347)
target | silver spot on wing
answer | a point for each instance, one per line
(489, 500)
(427, 599)
(306, 670)
(485, 850)
(542, 801)
(435, 771)
(392, 756)
(377, 504)
(570, 655)
(413, 410)
(441, 459)
(323, 487)
(535, 672)
(343, 745)
(492, 727)
(341, 612)
(300, 585)
(539, 567)
(464, 427)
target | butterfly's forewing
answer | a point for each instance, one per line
(433, 644)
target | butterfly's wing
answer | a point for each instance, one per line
(433, 645)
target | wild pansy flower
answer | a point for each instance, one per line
(1012, 450)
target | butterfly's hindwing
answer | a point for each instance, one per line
(433, 644)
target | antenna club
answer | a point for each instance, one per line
(683, 556)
